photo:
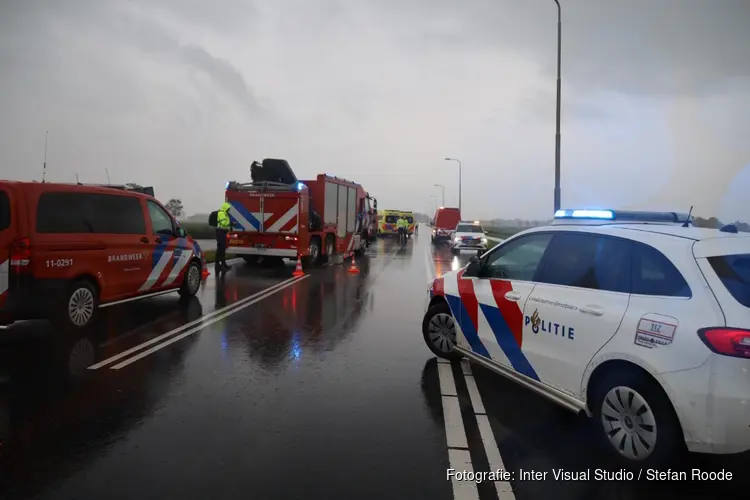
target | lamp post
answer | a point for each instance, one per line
(557, 117)
(459, 180)
(443, 189)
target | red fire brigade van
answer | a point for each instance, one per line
(277, 215)
(67, 250)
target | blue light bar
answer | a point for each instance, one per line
(227, 186)
(585, 214)
(621, 215)
(300, 185)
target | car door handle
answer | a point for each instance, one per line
(144, 240)
(595, 310)
(514, 296)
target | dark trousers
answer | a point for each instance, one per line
(221, 247)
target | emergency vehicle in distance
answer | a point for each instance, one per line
(388, 219)
(277, 215)
(444, 223)
(637, 319)
(75, 248)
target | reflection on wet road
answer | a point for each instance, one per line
(265, 387)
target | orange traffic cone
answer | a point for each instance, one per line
(353, 268)
(205, 274)
(298, 270)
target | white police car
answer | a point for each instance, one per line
(638, 319)
(469, 236)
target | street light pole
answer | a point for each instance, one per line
(459, 181)
(557, 117)
(433, 199)
(443, 188)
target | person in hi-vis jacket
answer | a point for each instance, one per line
(223, 226)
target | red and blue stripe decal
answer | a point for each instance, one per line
(244, 213)
(505, 320)
(466, 309)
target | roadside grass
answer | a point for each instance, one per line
(199, 230)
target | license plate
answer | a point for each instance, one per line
(235, 242)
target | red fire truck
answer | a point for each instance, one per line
(277, 215)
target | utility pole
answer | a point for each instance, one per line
(109, 181)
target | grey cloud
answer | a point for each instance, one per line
(640, 46)
(118, 27)
(226, 76)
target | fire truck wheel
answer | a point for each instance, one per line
(250, 260)
(314, 250)
(330, 246)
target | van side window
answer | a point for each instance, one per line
(161, 222)
(654, 274)
(63, 212)
(4, 211)
(113, 214)
(587, 261)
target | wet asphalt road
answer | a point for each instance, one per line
(320, 388)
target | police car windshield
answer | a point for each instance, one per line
(469, 228)
(734, 273)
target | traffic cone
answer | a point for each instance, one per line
(298, 270)
(353, 268)
(205, 274)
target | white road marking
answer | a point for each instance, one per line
(447, 383)
(460, 460)
(455, 434)
(503, 488)
(187, 325)
(476, 398)
(204, 325)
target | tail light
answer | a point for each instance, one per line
(734, 342)
(20, 255)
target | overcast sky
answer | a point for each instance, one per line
(185, 94)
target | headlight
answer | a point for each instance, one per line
(484, 240)
(456, 239)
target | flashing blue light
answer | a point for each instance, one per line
(227, 185)
(300, 185)
(585, 214)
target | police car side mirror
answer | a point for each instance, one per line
(474, 268)
(181, 233)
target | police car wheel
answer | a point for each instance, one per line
(80, 305)
(439, 331)
(192, 280)
(636, 421)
